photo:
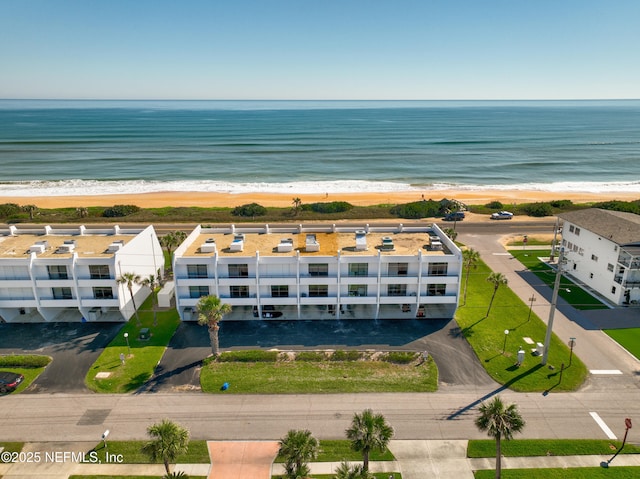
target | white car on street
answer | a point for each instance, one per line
(502, 215)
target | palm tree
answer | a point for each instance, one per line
(348, 471)
(369, 432)
(451, 233)
(169, 440)
(31, 209)
(297, 203)
(152, 283)
(210, 313)
(82, 212)
(298, 447)
(130, 279)
(497, 279)
(499, 421)
(470, 259)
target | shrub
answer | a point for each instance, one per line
(615, 205)
(495, 205)
(418, 209)
(311, 356)
(400, 357)
(561, 203)
(340, 355)
(24, 361)
(253, 356)
(118, 211)
(9, 209)
(537, 209)
(331, 207)
(249, 210)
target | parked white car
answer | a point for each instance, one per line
(502, 215)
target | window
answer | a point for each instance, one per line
(61, 293)
(57, 272)
(358, 269)
(436, 289)
(198, 291)
(610, 267)
(357, 290)
(197, 271)
(577, 231)
(437, 269)
(279, 291)
(318, 290)
(571, 228)
(581, 251)
(398, 269)
(239, 291)
(238, 271)
(318, 269)
(613, 290)
(102, 292)
(99, 271)
(594, 258)
(570, 245)
(575, 248)
(397, 290)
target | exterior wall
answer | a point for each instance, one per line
(30, 293)
(594, 261)
(364, 285)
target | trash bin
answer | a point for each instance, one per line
(145, 333)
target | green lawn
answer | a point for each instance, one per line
(376, 475)
(125, 477)
(340, 450)
(569, 291)
(300, 377)
(130, 451)
(486, 336)
(544, 447)
(576, 473)
(12, 446)
(144, 354)
(628, 338)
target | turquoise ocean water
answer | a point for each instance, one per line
(103, 147)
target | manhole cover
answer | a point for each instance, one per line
(93, 417)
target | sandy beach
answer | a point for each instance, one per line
(160, 199)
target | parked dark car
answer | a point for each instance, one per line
(9, 381)
(455, 216)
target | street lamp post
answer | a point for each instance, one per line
(504, 346)
(552, 310)
(126, 337)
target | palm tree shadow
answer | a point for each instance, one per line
(454, 415)
(468, 329)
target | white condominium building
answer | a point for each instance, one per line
(320, 272)
(71, 274)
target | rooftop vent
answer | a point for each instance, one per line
(435, 243)
(387, 243)
(209, 246)
(311, 243)
(238, 242)
(39, 247)
(115, 246)
(285, 245)
(361, 240)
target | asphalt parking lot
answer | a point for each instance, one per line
(74, 347)
(457, 363)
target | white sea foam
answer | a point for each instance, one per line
(79, 187)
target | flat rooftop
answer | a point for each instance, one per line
(404, 243)
(87, 246)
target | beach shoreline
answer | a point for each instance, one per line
(210, 199)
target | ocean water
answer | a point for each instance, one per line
(103, 147)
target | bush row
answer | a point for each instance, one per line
(258, 356)
(24, 361)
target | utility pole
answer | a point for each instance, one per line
(554, 302)
(553, 243)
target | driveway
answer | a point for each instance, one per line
(74, 347)
(457, 363)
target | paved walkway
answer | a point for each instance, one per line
(414, 460)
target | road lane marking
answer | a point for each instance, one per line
(605, 371)
(603, 426)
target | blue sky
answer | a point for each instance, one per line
(320, 49)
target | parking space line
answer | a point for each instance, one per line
(605, 371)
(603, 425)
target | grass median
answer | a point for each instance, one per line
(141, 356)
(29, 365)
(548, 447)
(563, 473)
(497, 351)
(286, 374)
(628, 338)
